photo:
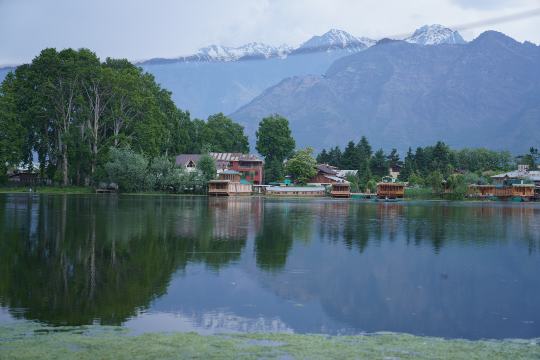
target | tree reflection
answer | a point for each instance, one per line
(73, 260)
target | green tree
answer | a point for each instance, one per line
(350, 159)
(323, 157)
(12, 131)
(207, 166)
(457, 184)
(274, 139)
(379, 164)
(127, 169)
(275, 143)
(224, 135)
(435, 181)
(409, 166)
(335, 157)
(302, 166)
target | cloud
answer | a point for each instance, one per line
(141, 29)
(489, 4)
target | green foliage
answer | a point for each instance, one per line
(274, 139)
(12, 131)
(371, 186)
(355, 184)
(379, 164)
(207, 167)
(435, 181)
(482, 159)
(350, 159)
(416, 180)
(273, 171)
(70, 108)
(302, 166)
(457, 184)
(127, 169)
(221, 134)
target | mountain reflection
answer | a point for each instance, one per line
(70, 260)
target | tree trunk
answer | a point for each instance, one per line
(65, 180)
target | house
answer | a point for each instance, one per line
(521, 176)
(250, 167)
(394, 171)
(326, 175)
(24, 177)
(188, 161)
(229, 183)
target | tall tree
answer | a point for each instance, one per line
(224, 135)
(275, 143)
(350, 158)
(379, 164)
(12, 132)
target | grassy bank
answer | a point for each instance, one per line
(35, 342)
(48, 189)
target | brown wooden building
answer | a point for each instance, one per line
(390, 190)
(228, 184)
(341, 190)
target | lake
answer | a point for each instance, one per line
(173, 263)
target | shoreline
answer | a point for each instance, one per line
(31, 340)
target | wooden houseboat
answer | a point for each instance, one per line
(303, 191)
(390, 190)
(341, 190)
(518, 191)
(228, 183)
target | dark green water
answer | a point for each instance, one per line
(159, 263)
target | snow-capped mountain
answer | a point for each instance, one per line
(435, 35)
(335, 40)
(332, 40)
(249, 51)
(329, 41)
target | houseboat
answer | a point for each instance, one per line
(341, 190)
(303, 191)
(503, 192)
(228, 184)
(390, 190)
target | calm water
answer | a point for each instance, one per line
(468, 270)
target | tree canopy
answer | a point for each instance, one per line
(70, 109)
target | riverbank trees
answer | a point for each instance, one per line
(67, 110)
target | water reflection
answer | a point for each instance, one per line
(456, 270)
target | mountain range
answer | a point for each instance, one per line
(429, 86)
(400, 94)
(222, 79)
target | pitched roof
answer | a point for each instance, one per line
(234, 157)
(184, 159)
(327, 169)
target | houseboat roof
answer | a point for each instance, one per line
(296, 188)
(511, 174)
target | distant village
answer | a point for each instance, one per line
(243, 174)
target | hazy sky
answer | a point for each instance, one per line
(137, 29)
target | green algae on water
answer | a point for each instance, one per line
(31, 341)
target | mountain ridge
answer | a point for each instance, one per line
(398, 94)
